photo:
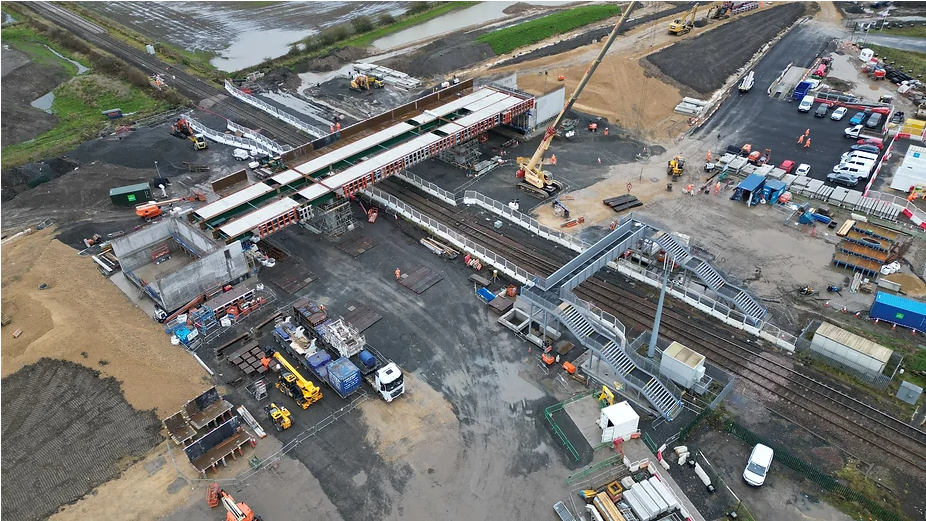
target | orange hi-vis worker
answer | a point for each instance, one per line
(398, 274)
(800, 140)
(553, 159)
(606, 131)
(807, 133)
(709, 156)
(717, 188)
(807, 143)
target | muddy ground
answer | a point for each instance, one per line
(65, 431)
(703, 64)
(26, 81)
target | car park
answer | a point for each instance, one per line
(853, 132)
(821, 110)
(838, 113)
(787, 165)
(759, 462)
(866, 148)
(857, 119)
(802, 169)
(842, 179)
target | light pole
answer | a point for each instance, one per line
(158, 169)
(651, 351)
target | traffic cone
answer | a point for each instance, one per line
(893, 327)
(826, 304)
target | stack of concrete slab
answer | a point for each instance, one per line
(388, 76)
(838, 196)
(691, 107)
(775, 173)
(737, 164)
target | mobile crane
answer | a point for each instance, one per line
(279, 415)
(291, 383)
(684, 24)
(236, 511)
(540, 183)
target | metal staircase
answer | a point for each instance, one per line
(609, 347)
(713, 280)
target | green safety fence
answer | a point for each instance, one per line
(649, 442)
(686, 430)
(826, 481)
(548, 414)
(617, 459)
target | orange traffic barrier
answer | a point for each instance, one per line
(560, 78)
(571, 369)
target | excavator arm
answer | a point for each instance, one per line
(535, 160)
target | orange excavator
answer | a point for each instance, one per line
(152, 209)
(182, 128)
(234, 511)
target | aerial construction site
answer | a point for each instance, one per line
(463, 260)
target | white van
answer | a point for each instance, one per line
(806, 103)
(757, 467)
(858, 154)
(861, 163)
(858, 171)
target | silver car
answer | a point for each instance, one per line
(842, 179)
(838, 113)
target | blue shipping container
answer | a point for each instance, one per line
(343, 376)
(801, 90)
(898, 310)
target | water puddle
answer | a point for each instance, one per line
(477, 15)
(512, 388)
(45, 102)
(253, 47)
(80, 68)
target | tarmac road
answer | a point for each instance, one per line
(775, 124)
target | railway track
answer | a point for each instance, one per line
(861, 422)
(187, 84)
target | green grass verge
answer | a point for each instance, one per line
(916, 31)
(366, 39)
(78, 103)
(22, 37)
(506, 40)
(905, 59)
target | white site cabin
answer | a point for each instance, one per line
(618, 421)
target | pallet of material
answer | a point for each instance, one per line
(252, 423)
(868, 241)
(501, 305)
(362, 317)
(845, 228)
(854, 263)
(607, 509)
(623, 202)
(876, 231)
(863, 251)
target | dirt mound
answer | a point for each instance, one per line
(280, 78)
(21, 178)
(518, 8)
(704, 63)
(448, 54)
(65, 430)
(25, 81)
(333, 60)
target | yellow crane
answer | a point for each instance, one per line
(279, 415)
(684, 24)
(291, 383)
(538, 182)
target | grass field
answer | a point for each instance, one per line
(25, 39)
(916, 31)
(506, 40)
(905, 59)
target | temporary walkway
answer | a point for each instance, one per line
(348, 169)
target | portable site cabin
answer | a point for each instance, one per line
(850, 349)
(618, 421)
(682, 365)
(750, 189)
(772, 190)
(130, 195)
(899, 310)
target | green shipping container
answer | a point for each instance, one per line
(131, 195)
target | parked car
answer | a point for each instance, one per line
(806, 103)
(872, 141)
(802, 169)
(842, 179)
(866, 148)
(757, 466)
(838, 113)
(821, 111)
(787, 165)
(857, 119)
(898, 117)
(853, 132)
(858, 154)
(874, 121)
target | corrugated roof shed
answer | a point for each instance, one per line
(752, 182)
(854, 342)
(119, 190)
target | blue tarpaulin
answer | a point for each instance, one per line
(486, 295)
(752, 183)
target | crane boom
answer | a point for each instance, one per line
(551, 130)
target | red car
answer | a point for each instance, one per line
(873, 142)
(787, 166)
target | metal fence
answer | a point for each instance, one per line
(525, 221)
(263, 140)
(429, 187)
(488, 256)
(273, 111)
(827, 482)
(233, 140)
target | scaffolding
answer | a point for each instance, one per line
(463, 156)
(332, 219)
(203, 319)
